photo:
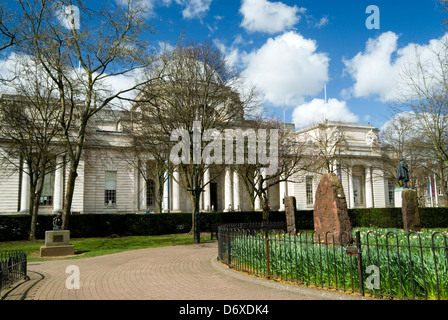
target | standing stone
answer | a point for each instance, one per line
(290, 212)
(330, 211)
(411, 215)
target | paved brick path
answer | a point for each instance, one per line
(170, 273)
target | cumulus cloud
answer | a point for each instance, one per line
(287, 69)
(384, 70)
(317, 111)
(269, 17)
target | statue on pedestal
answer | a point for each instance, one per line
(403, 173)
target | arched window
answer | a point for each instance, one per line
(150, 193)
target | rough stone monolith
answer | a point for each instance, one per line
(290, 213)
(411, 215)
(331, 220)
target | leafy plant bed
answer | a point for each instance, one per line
(391, 262)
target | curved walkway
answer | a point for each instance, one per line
(189, 272)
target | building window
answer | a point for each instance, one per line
(46, 198)
(150, 193)
(391, 194)
(309, 190)
(110, 197)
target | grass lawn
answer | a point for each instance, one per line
(91, 247)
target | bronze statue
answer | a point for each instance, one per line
(403, 173)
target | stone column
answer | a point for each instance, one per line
(25, 191)
(176, 192)
(283, 193)
(143, 185)
(228, 205)
(166, 190)
(369, 190)
(58, 194)
(236, 192)
(351, 203)
(257, 202)
(206, 192)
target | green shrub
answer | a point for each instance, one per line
(16, 227)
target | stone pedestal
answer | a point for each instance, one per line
(397, 197)
(57, 243)
(411, 215)
(290, 212)
(331, 220)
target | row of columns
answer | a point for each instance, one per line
(232, 199)
(58, 192)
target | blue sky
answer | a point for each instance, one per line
(325, 35)
(291, 49)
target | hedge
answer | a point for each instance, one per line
(16, 227)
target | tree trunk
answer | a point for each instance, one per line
(33, 212)
(69, 196)
(73, 172)
(266, 207)
(35, 194)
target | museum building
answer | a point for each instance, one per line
(109, 182)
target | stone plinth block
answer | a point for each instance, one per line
(290, 212)
(57, 243)
(331, 220)
(57, 251)
(57, 237)
(398, 197)
(411, 215)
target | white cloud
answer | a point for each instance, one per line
(317, 111)
(322, 22)
(373, 70)
(269, 17)
(381, 69)
(191, 8)
(22, 71)
(287, 69)
(147, 6)
(194, 8)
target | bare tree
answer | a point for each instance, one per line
(289, 152)
(29, 129)
(426, 94)
(195, 100)
(424, 83)
(7, 30)
(81, 57)
(329, 141)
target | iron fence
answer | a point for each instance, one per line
(378, 262)
(13, 267)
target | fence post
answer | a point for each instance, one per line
(267, 254)
(359, 254)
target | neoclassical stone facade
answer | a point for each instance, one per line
(110, 182)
